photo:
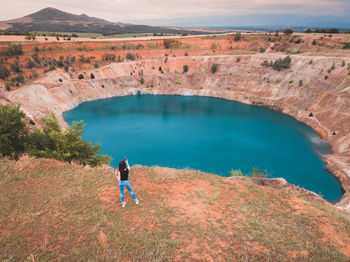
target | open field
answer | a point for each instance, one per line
(54, 211)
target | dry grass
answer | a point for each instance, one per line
(53, 211)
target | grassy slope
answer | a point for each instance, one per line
(56, 211)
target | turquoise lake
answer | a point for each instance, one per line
(208, 134)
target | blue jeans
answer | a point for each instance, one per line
(125, 183)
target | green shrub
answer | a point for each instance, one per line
(280, 64)
(35, 73)
(325, 77)
(13, 131)
(186, 54)
(238, 59)
(310, 62)
(16, 67)
(19, 78)
(236, 172)
(66, 68)
(343, 63)
(4, 72)
(214, 68)
(142, 81)
(92, 76)
(80, 76)
(109, 57)
(166, 43)
(346, 45)
(288, 31)
(185, 68)
(255, 172)
(30, 64)
(96, 65)
(130, 56)
(238, 37)
(300, 83)
(314, 42)
(12, 50)
(262, 50)
(36, 58)
(52, 142)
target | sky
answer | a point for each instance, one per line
(128, 10)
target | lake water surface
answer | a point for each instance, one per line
(208, 134)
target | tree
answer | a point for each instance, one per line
(92, 76)
(13, 131)
(185, 68)
(213, 68)
(288, 31)
(52, 142)
(314, 42)
(81, 76)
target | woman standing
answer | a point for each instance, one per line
(122, 175)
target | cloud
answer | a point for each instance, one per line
(122, 10)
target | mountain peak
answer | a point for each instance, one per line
(51, 13)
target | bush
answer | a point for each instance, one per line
(346, 45)
(185, 68)
(66, 68)
(238, 37)
(80, 76)
(19, 78)
(262, 50)
(13, 131)
(4, 72)
(16, 67)
(36, 58)
(12, 50)
(108, 57)
(186, 54)
(214, 68)
(288, 31)
(255, 172)
(166, 43)
(238, 59)
(52, 142)
(30, 64)
(35, 73)
(92, 76)
(314, 42)
(142, 81)
(300, 83)
(130, 56)
(96, 65)
(280, 64)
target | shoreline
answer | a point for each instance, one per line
(321, 156)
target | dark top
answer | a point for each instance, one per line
(124, 174)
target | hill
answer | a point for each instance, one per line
(56, 211)
(54, 20)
